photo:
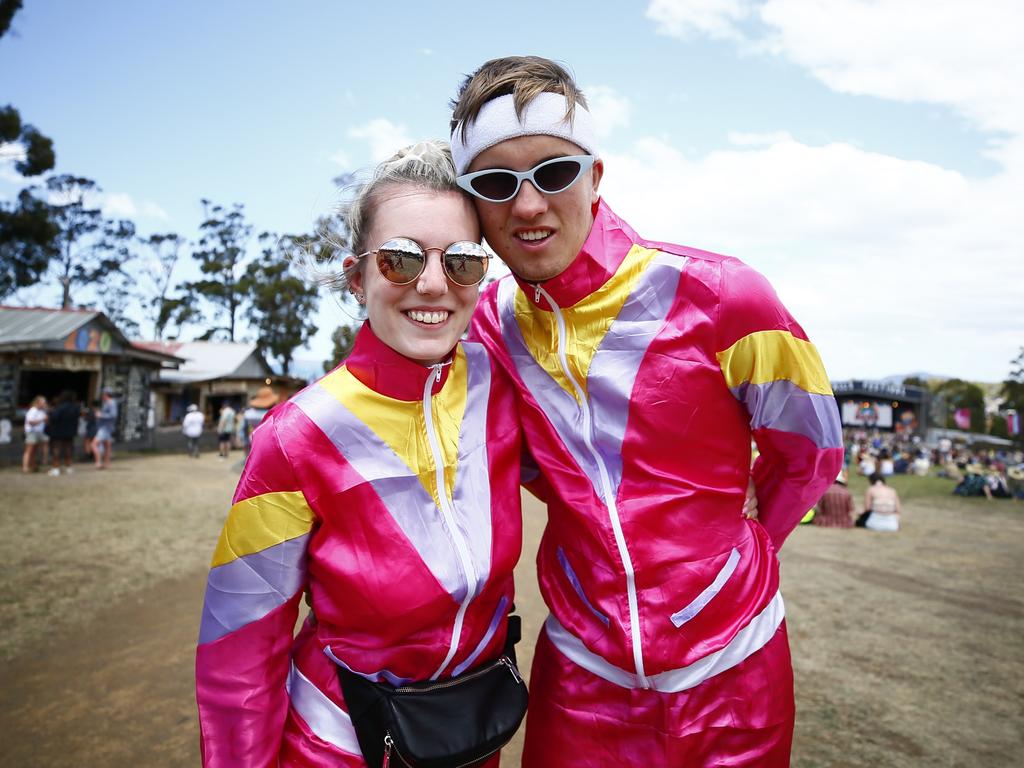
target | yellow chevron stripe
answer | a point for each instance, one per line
(767, 356)
(587, 322)
(260, 522)
(402, 425)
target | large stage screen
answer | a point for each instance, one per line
(865, 414)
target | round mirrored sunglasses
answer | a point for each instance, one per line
(401, 261)
(498, 185)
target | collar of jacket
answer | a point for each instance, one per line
(603, 252)
(383, 370)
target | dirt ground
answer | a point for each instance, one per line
(908, 648)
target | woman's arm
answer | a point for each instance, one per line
(257, 578)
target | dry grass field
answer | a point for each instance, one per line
(908, 648)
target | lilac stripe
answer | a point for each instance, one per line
(784, 406)
(398, 486)
(472, 491)
(247, 589)
(499, 615)
(700, 602)
(571, 575)
(558, 405)
(325, 718)
(617, 360)
(381, 675)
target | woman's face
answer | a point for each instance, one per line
(424, 319)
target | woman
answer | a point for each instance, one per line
(388, 491)
(883, 503)
(35, 435)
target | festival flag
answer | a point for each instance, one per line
(1013, 422)
(962, 417)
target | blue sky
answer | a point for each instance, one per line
(868, 157)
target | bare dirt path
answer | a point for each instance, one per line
(909, 649)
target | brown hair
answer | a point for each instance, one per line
(525, 77)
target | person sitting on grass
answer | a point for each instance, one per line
(881, 506)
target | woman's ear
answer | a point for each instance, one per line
(355, 278)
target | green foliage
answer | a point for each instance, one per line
(36, 155)
(342, 341)
(93, 249)
(224, 236)
(7, 10)
(28, 241)
(963, 394)
(281, 305)
(155, 283)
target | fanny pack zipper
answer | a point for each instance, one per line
(389, 744)
(501, 660)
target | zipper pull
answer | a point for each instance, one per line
(437, 372)
(511, 668)
(536, 293)
(387, 750)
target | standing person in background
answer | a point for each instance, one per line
(35, 435)
(106, 425)
(643, 369)
(88, 417)
(225, 429)
(192, 428)
(63, 428)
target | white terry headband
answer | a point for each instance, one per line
(543, 116)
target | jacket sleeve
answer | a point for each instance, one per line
(775, 372)
(256, 579)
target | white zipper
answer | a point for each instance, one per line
(606, 486)
(468, 571)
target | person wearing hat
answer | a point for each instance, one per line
(835, 510)
(259, 405)
(192, 428)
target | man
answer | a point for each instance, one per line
(835, 510)
(225, 430)
(643, 370)
(192, 428)
(106, 423)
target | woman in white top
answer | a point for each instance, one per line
(35, 434)
(884, 504)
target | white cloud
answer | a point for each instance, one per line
(383, 136)
(965, 55)
(120, 204)
(891, 265)
(687, 18)
(610, 109)
(342, 159)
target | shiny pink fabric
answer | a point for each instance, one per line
(376, 603)
(683, 464)
(743, 717)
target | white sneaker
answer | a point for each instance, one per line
(54, 472)
(69, 470)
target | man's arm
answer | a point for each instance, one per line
(772, 368)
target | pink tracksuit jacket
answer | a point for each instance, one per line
(390, 492)
(644, 370)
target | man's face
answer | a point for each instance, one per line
(537, 235)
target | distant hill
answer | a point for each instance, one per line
(899, 377)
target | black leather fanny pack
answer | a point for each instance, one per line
(454, 723)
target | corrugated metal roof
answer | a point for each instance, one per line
(206, 360)
(27, 325)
